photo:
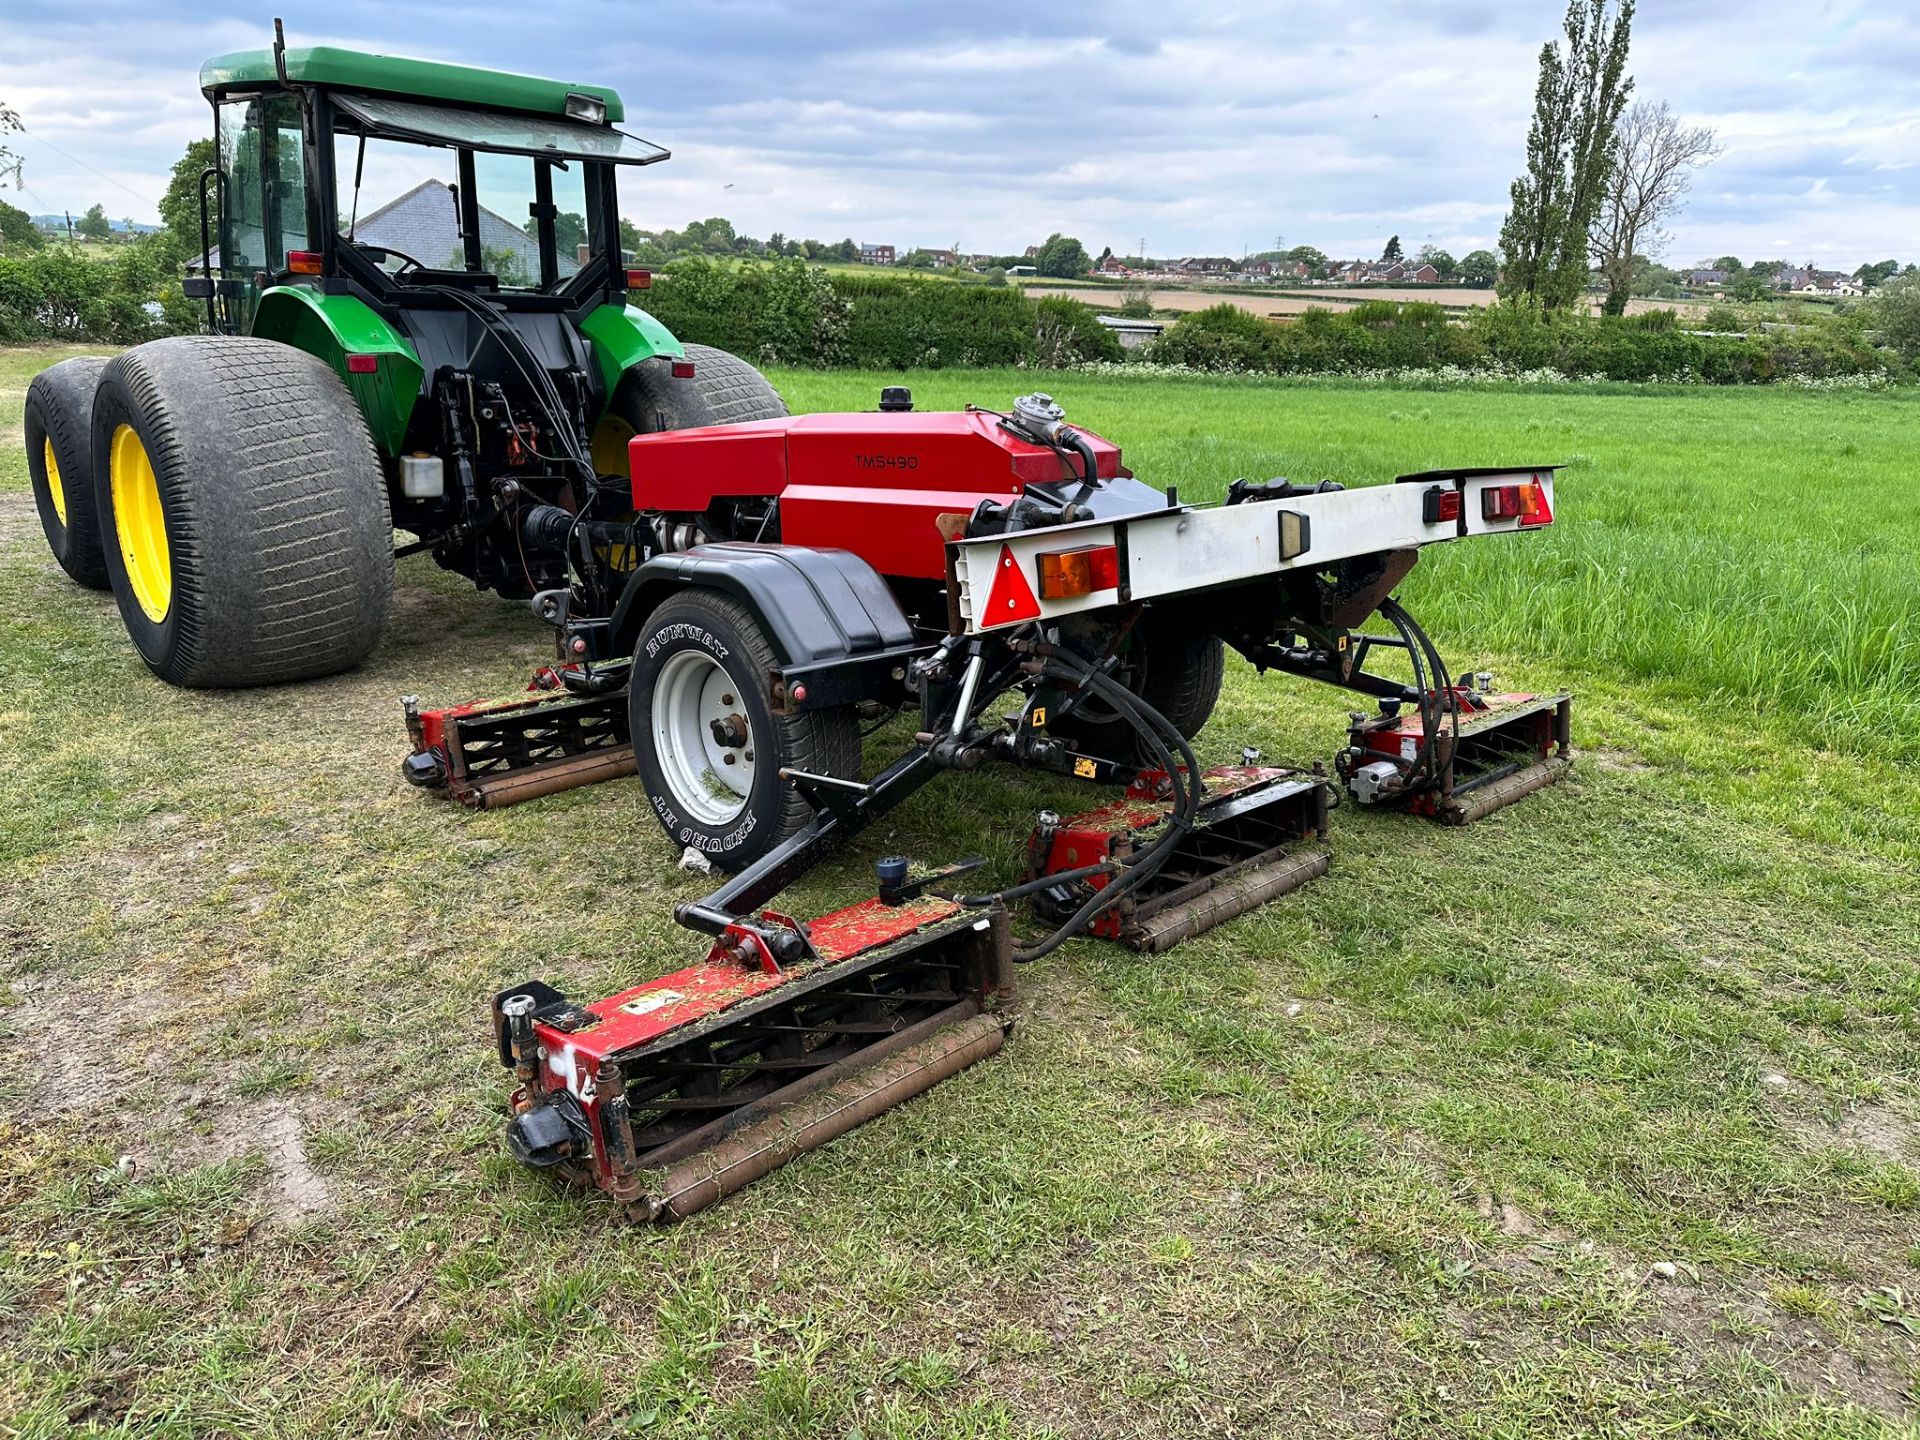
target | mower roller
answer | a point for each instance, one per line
(802, 580)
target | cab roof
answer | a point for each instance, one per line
(399, 75)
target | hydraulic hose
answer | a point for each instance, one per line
(1156, 730)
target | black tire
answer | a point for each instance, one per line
(278, 538)
(1173, 665)
(724, 390)
(733, 389)
(720, 634)
(59, 426)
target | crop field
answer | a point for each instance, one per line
(1601, 1117)
(1181, 299)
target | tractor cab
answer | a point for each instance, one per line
(392, 178)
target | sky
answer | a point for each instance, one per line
(1219, 130)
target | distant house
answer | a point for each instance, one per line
(1383, 272)
(1020, 270)
(424, 224)
(943, 259)
(876, 255)
(1257, 269)
(1110, 265)
(1706, 279)
(1205, 266)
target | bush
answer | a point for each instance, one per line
(57, 294)
(1893, 317)
(790, 313)
(1067, 332)
(1222, 337)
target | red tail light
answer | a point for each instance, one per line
(362, 364)
(683, 369)
(1526, 503)
(1440, 506)
(639, 279)
(303, 262)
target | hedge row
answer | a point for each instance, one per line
(58, 294)
(790, 313)
(1384, 335)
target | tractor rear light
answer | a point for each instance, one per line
(1500, 502)
(1440, 506)
(303, 262)
(683, 369)
(639, 279)
(362, 364)
(1067, 573)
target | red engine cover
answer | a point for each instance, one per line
(875, 484)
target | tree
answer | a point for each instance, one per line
(1392, 251)
(1063, 257)
(1570, 156)
(1893, 315)
(94, 224)
(10, 163)
(1439, 259)
(1729, 263)
(17, 231)
(1649, 181)
(569, 233)
(1878, 274)
(1479, 267)
(179, 208)
(1314, 260)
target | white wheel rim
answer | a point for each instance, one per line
(692, 694)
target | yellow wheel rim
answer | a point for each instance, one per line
(610, 439)
(141, 524)
(55, 489)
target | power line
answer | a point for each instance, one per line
(75, 159)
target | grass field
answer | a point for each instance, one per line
(1602, 1117)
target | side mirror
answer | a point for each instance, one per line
(197, 287)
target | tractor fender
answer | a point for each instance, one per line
(623, 336)
(815, 605)
(332, 327)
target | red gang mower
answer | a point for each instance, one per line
(783, 588)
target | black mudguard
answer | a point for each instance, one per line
(817, 605)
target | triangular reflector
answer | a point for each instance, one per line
(1011, 599)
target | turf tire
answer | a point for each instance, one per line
(733, 389)
(60, 418)
(276, 515)
(825, 742)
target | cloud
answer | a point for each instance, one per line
(1205, 131)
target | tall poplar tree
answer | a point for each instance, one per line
(1571, 152)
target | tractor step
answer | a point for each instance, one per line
(494, 753)
(1509, 745)
(1244, 851)
(675, 1093)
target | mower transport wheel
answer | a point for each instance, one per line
(1175, 669)
(60, 462)
(242, 510)
(732, 388)
(709, 747)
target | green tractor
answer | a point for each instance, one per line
(420, 320)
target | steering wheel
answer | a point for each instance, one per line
(387, 252)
